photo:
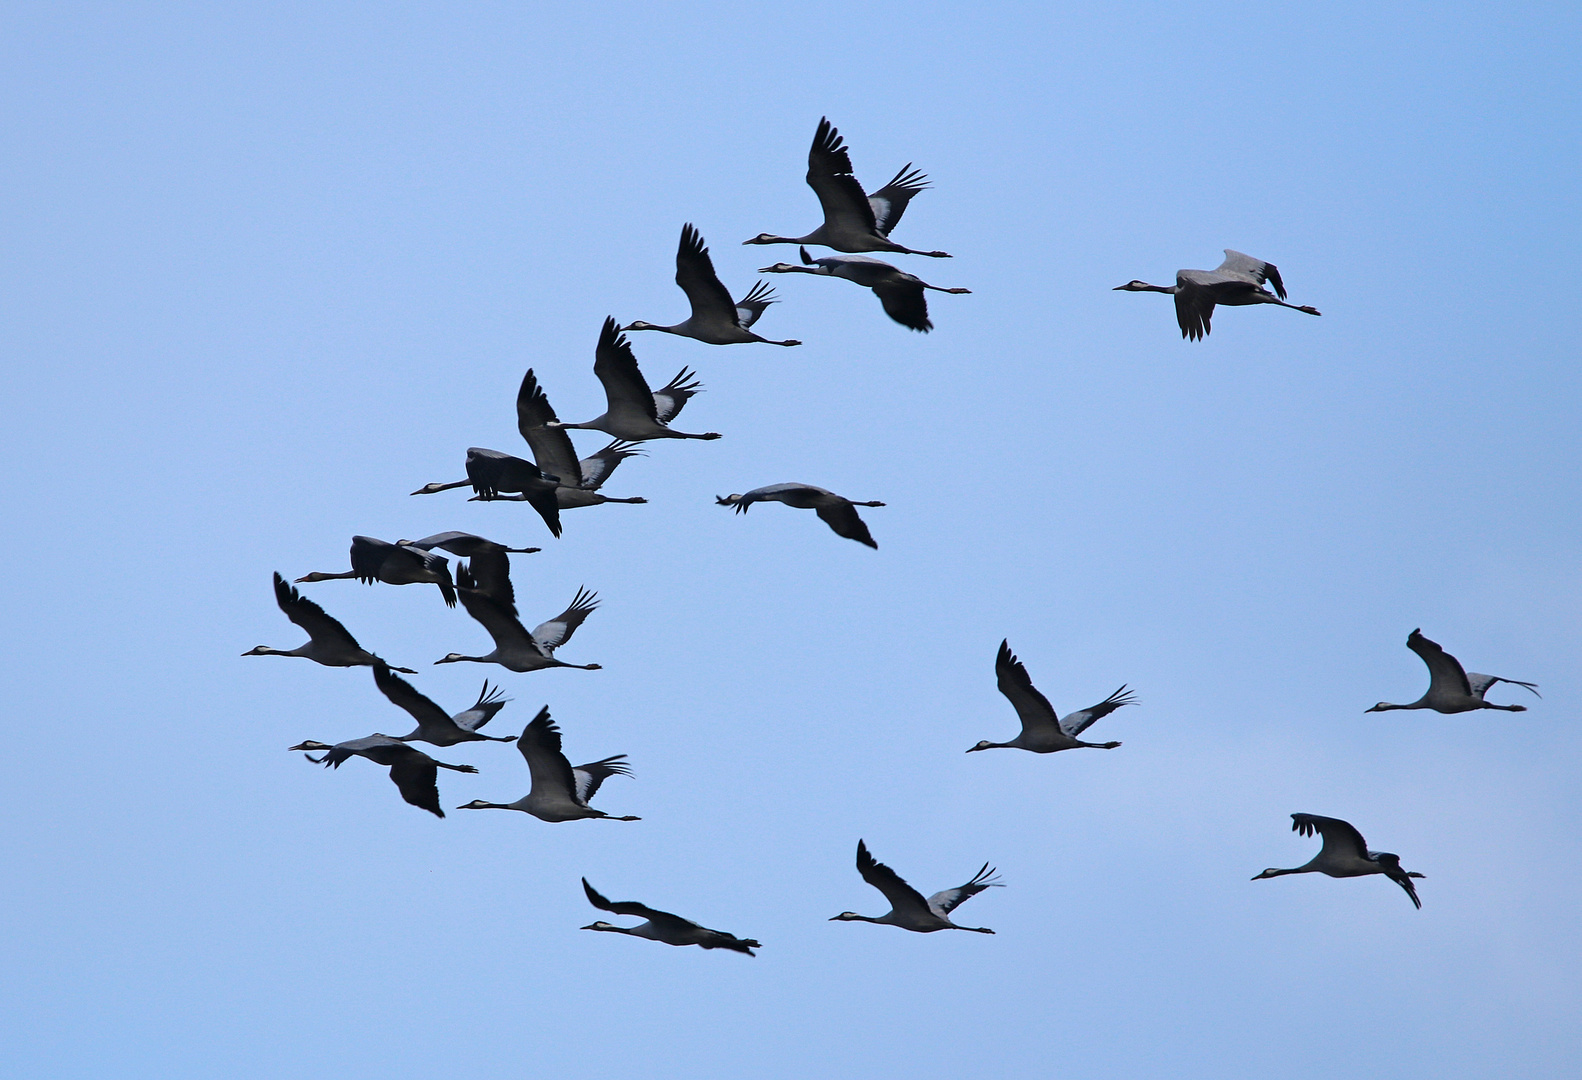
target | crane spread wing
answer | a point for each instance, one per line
(947, 900)
(631, 907)
(750, 307)
(842, 517)
(1256, 269)
(503, 626)
(552, 447)
(403, 695)
(615, 366)
(594, 773)
(1341, 838)
(671, 398)
(887, 881)
(596, 468)
(491, 575)
(550, 635)
(1444, 670)
(1480, 684)
(457, 543)
(482, 711)
(1194, 308)
(889, 202)
(695, 274)
(1078, 722)
(368, 555)
(1032, 707)
(829, 174)
(312, 618)
(416, 775)
(551, 772)
(906, 304)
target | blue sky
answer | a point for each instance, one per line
(270, 268)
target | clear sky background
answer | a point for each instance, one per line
(268, 268)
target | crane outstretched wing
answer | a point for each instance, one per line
(552, 634)
(895, 889)
(695, 274)
(312, 618)
(889, 202)
(1443, 669)
(1078, 722)
(1341, 838)
(671, 398)
(829, 174)
(483, 710)
(947, 900)
(842, 517)
(1031, 706)
(616, 368)
(750, 307)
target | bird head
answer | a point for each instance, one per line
(847, 916)
(1383, 706)
(727, 500)
(257, 650)
(601, 925)
(1273, 871)
(450, 659)
(1132, 286)
(639, 325)
(761, 238)
(779, 268)
(430, 489)
(310, 745)
(315, 576)
(476, 804)
(983, 744)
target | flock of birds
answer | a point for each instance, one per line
(557, 479)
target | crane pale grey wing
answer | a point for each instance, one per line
(671, 398)
(597, 467)
(751, 307)
(947, 900)
(490, 701)
(1480, 684)
(889, 202)
(590, 776)
(556, 632)
(1256, 270)
(1078, 722)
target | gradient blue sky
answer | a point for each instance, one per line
(268, 268)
